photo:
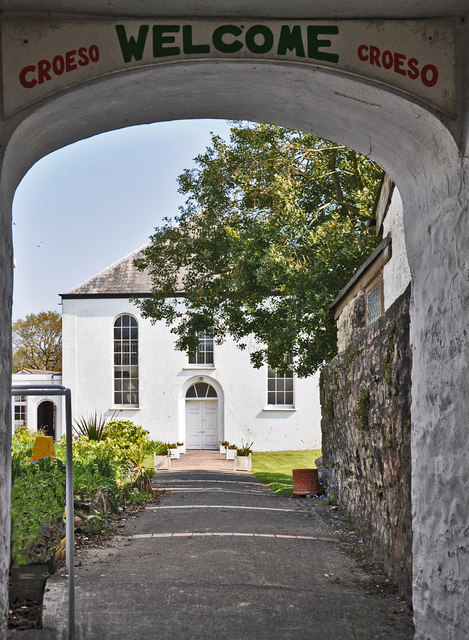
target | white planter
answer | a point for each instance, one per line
(174, 453)
(222, 449)
(161, 463)
(230, 454)
(242, 463)
(182, 449)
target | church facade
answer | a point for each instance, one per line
(120, 365)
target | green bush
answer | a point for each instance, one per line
(114, 464)
(38, 502)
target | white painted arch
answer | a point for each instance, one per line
(419, 150)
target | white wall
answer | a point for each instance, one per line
(396, 272)
(165, 376)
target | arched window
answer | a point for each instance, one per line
(126, 360)
(201, 390)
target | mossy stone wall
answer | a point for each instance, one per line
(365, 400)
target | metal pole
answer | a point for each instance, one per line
(70, 533)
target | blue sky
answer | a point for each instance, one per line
(82, 208)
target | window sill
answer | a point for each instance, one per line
(279, 408)
(124, 407)
(199, 367)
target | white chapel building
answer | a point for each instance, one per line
(118, 364)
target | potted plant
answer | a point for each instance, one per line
(231, 451)
(224, 444)
(242, 461)
(181, 447)
(161, 458)
(173, 451)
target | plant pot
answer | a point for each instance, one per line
(305, 482)
(222, 450)
(230, 454)
(174, 453)
(162, 463)
(242, 463)
(182, 448)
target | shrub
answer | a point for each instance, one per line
(38, 502)
(93, 428)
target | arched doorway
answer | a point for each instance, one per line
(201, 416)
(46, 418)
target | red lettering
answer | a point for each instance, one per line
(374, 56)
(93, 52)
(58, 65)
(387, 59)
(32, 75)
(413, 71)
(27, 84)
(399, 59)
(70, 64)
(43, 68)
(399, 63)
(363, 52)
(429, 75)
(83, 59)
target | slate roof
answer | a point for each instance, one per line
(121, 279)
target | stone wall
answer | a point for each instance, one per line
(365, 399)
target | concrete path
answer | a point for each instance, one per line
(223, 557)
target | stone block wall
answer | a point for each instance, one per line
(365, 401)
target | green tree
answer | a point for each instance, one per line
(273, 227)
(37, 342)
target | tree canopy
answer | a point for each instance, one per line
(37, 342)
(273, 227)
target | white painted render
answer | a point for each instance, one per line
(165, 376)
(396, 272)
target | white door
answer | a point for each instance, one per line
(201, 424)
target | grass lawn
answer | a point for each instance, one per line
(275, 467)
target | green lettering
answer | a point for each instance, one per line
(188, 46)
(129, 46)
(314, 43)
(290, 40)
(160, 39)
(267, 35)
(227, 47)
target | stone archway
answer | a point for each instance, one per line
(422, 152)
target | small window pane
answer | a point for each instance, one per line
(191, 392)
(201, 388)
(374, 304)
(211, 392)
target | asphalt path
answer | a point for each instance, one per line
(221, 556)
